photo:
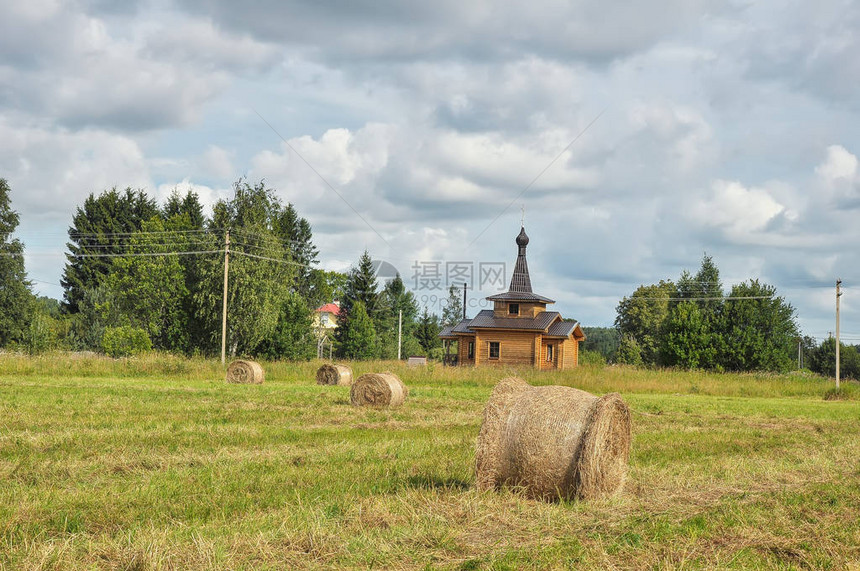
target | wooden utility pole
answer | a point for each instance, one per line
(224, 308)
(838, 295)
(464, 300)
(399, 332)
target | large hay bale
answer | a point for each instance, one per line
(334, 375)
(245, 372)
(378, 389)
(553, 442)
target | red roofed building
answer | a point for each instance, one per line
(325, 318)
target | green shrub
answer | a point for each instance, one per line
(587, 357)
(42, 334)
(125, 341)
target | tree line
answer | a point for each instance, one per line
(141, 275)
(692, 323)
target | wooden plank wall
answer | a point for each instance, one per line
(516, 348)
(463, 352)
(500, 309)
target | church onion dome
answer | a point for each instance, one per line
(522, 239)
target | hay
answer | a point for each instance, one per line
(378, 389)
(245, 372)
(334, 375)
(553, 442)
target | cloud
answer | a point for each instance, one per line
(54, 170)
(839, 179)
(810, 47)
(83, 70)
(741, 213)
(839, 165)
(392, 31)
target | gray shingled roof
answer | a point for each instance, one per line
(485, 320)
(562, 328)
(463, 327)
(519, 296)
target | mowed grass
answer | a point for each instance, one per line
(157, 463)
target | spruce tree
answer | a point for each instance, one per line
(360, 288)
(359, 338)
(427, 331)
(101, 226)
(16, 299)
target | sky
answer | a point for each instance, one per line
(632, 138)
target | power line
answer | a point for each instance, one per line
(147, 254)
(322, 178)
(712, 298)
(535, 179)
(144, 233)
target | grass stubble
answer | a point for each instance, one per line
(156, 463)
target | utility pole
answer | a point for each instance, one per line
(464, 300)
(224, 309)
(399, 332)
(838, 295)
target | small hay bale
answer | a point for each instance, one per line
(378, 389)
(334, 375)
(245, 372)
(553, 442)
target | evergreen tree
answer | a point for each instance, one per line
(188, 205)
(427, 332)
(16, 299)
(296, 233)
(102, 226)
(358, 340)
(360, 287)
(395, 298)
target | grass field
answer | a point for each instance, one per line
(156, 463)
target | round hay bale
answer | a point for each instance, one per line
(334, 375)
(378, 389)
(553, 442)
(245, 372)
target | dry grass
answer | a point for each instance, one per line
(128, 465)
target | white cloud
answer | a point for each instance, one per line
(839, 165)
(741, 212)
(208, 196)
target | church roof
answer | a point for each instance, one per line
(564, 329)
(516, 296)
(521, 283)
(520, 280)
(486, 320)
